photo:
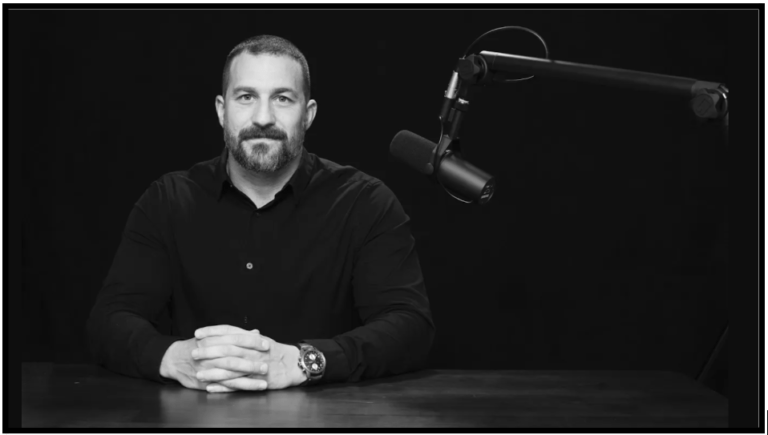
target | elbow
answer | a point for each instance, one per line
(420, 343)
(427, 341)
(95, 328)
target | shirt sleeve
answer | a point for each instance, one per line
(389, 295)
(122, 327)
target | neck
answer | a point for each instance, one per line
(263, 186)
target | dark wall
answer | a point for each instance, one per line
(605, 245)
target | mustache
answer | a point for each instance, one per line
(256, 132)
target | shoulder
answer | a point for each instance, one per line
(181, 186)
(369, 191)
(372, 206)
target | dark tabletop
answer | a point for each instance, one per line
(89, 396)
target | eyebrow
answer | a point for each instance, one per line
(253, 90)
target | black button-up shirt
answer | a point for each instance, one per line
(330, 261)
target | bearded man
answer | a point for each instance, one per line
(278, 268)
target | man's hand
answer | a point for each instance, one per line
(225, 349)
(178, 364)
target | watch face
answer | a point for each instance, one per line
(313, 362)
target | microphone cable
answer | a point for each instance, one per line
(469, 49)
(546, 50)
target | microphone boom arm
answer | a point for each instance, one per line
(709, 100)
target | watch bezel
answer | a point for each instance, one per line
(306, 349)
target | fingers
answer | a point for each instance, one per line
(245, 383)
(218, 374)
(247, 340)
(221, 330)
(221, 368)
(218, 388)
(221, 351)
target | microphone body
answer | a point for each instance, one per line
(466, 179)
(456, 174)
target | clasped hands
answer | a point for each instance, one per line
(224, 358)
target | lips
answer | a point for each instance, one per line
(264, 138)
(261, 139)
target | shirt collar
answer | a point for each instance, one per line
(298, 181)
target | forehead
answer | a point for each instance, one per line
(265, 71)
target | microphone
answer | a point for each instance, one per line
(452, 171)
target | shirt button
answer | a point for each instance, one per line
(249, 266)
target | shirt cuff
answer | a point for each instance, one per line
(153, 354)
(336, 363)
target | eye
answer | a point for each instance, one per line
(283, 99)
(245, 97)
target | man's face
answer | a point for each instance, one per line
(264, 113)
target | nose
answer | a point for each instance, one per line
(263, 114)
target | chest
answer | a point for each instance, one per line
(248, 247)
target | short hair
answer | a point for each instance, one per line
(274, 45)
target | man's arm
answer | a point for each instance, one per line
(390, 296)
(121, 332)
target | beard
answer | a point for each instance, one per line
(261, 157)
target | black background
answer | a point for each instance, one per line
(606, 245)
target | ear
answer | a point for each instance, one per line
(220, 109)
(311, 112)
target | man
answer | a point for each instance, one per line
(265, 239)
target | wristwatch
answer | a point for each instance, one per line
(311, 362)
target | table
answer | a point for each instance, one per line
(80, 395)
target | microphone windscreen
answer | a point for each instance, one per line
(414, 150)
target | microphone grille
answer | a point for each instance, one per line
(414, 150)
